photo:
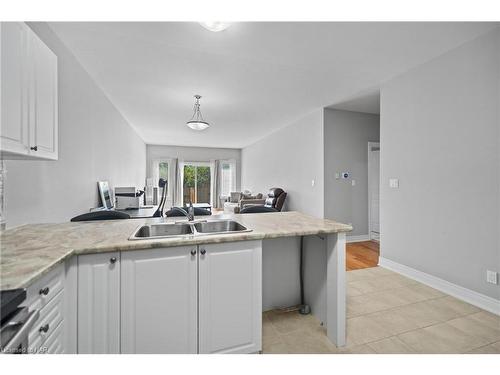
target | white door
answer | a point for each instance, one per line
(44, 123)
(374, 189)
(230, 297)
(99, 303)
(14, 104)
(159, 300)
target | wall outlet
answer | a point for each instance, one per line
(353, 182)
(394, 183)
(313, 183)
(492, 277)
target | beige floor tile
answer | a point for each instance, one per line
(357, 349)
(307, 342)
(487, 318)
(362, 329)
(440, 338)
(474, 325)
(268, 328)
(390, 345)
(359, 274)
(450, 308)
(488, 349)
(379, 271)
(274, 346)
(421, 314)
(287, 322)
(496, 345)
(366, 285)
(394, 322)
(352, 291)
(428, 292)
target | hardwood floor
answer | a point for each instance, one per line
(361, 255)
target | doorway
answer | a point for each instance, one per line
(374, 190)
(196, 185)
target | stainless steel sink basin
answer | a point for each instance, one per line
(162, 230)
(219, 226)
(184, 229)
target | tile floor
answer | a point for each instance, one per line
(388, 313)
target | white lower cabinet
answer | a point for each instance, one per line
(230, 297)
(99, 303)
(159, 301)
(186, 299)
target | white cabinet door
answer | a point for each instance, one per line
(230, 297)
(99, 303)
(159, 301)
(43, 100)
(13, 82)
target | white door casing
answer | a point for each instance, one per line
(374, 190)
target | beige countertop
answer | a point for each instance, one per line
(29, 251)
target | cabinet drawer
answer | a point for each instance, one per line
(39, 294)
(50, 318)
(54, 343)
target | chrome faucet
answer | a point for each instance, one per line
(189, 213)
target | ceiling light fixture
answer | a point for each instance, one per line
(215, 26)
(197, 122)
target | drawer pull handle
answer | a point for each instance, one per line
(193, 252)
(44, 291)
(112, 260)
(34, 148)
(203, 251)
(44, 328)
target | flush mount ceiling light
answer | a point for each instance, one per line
(197, 122)
(215, 26)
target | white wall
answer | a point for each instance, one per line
(289, 158)
(95, 143)
(440, 136)
(194, 154)
(346, 138)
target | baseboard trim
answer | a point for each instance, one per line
(361, 238)
(474, 298)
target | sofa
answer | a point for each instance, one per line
(237, 200)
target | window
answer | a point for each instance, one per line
(228, 177)
(163, 170)
(197, 183)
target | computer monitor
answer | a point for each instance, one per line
(105, 195)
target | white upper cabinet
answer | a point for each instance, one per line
(14, 83)
(230, 297)
(29, 99)
(159, 301)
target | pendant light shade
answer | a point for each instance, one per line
(197, 122)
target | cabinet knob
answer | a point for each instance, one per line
(112, 260)
(44, 291)
(193, 252)
(44, 328)
(203, 251)
(34, 148)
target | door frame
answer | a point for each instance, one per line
(370, 146)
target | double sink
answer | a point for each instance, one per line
(181, 229)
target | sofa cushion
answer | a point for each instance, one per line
(235, 197)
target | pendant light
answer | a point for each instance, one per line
(197, 122)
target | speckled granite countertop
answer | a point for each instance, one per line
(29, 251)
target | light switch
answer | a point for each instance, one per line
(353, 182)
(492, 277)
(337, 175)
(394, 183)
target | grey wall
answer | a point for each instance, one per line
(346, 149)
(195, 154)
(289, 158)
(440, 136)
(95, 143)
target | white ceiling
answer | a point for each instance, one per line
(254, 77)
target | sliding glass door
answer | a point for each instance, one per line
(196, 186)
